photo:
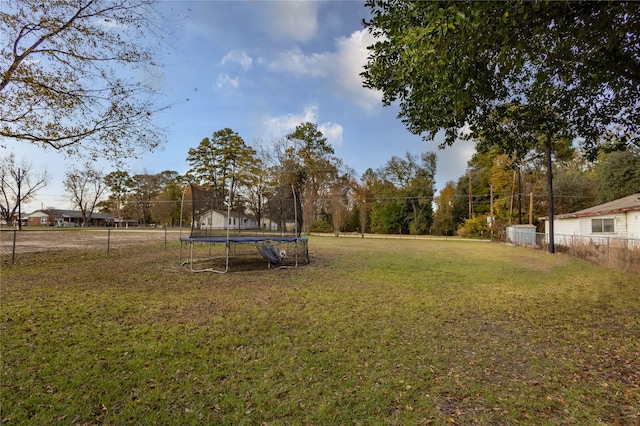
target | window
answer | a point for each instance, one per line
(602, 226)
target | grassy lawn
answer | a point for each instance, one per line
(371, 332)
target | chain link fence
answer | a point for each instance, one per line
(614, 252)
(19, 246)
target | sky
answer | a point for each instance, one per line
(262, 68)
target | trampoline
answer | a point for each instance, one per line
(275, 236)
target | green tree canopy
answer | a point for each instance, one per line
(404, 188)
(450, 64)
(308, 163)
(217, 159)
(618, 174)
(443, 220)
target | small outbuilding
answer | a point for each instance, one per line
(521, 235)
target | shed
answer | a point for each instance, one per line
(521, 235)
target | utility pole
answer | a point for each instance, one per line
(470, 198)
(531, 208)
(19, 201)
(491, 224)
(519, 196)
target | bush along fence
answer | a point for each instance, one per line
(21, 245)
(614, 252)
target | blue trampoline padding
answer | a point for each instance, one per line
(248, 240)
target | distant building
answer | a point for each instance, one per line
(619, 218)
(14, 220)
(67, 218)
(219, 219)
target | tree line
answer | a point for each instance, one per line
(544, 89)
(497, 186)
(398, 197)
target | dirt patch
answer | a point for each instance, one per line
(47, 240)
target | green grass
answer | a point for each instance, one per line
(371, 332)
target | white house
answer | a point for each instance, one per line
(220, 219)
(619, 218)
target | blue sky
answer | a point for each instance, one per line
(261, 68)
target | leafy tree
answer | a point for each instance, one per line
(574, 186)
(20, 182)
(364, 193)
(472, 64)
(167, 203)
(404, 189)
(119, 184)
(143, 194)
(618, 174)
(86, 186)
(307, 161)
(502, 191)
(341, 190)
(420, 191)
(443, 221)
(260, 182)
(520, 129)
(381, 203)
(149, 198)
(450, 64)
(221, 160)
(65, 79)
(389, 218)
(473, 189)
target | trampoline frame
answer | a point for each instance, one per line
(295, 243)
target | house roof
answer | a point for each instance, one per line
(69, 214)
(621, 205)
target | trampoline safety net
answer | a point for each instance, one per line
(272, 223)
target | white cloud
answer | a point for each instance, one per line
(342, 67)
(278, 127)
(291, 20)
(294, 61)
(333, 132)
(237, 57)
(351, 57)
(224, 81)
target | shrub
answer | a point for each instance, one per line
(321, 227)
(474, 228)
